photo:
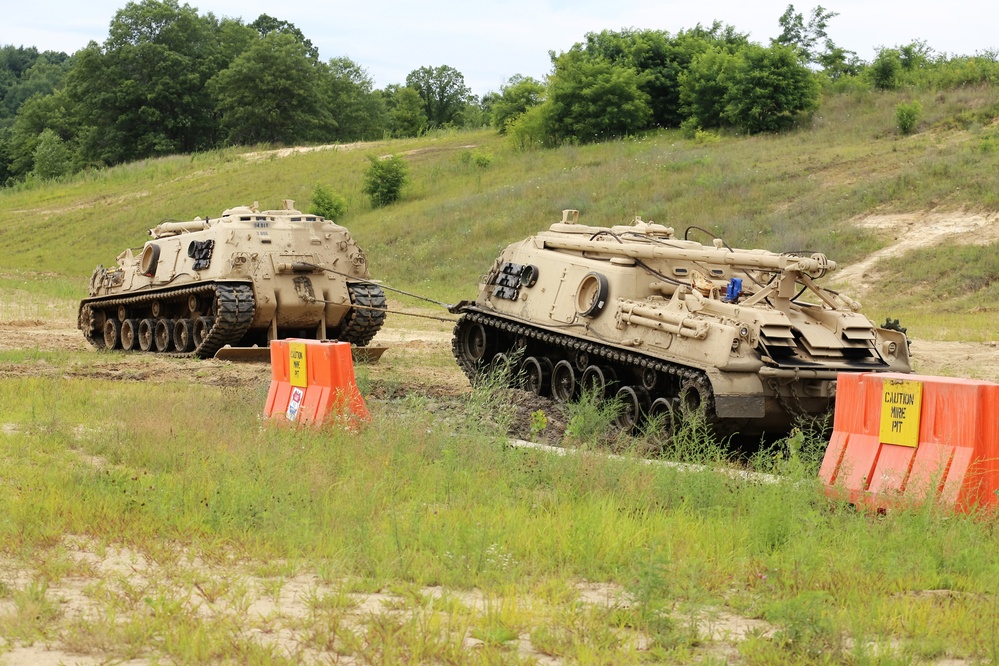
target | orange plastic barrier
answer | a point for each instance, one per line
(907, 438)
(312, 380)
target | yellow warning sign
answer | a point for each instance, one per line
(901, 406)
(296, 362)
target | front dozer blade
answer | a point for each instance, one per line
(263, 354)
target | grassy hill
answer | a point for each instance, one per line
(471, 193)
(148, 515)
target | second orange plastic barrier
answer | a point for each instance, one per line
(903, 438)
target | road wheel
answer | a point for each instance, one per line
(164, 334)
(635, 403)
(563, 381)
(129, 334)
(183, 335)
(112, 334)
(537, 374)
(202, 327)
(147, 329)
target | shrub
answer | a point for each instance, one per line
(384, 180)
(529, 129)
(907, 116)
(52, 157)
(478, 158)
(768, 89)
(593, 100)
(327, 203)
(885, 69)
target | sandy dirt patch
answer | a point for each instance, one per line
(259, 155)
(912, 232)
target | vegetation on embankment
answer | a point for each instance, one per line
(471, 193)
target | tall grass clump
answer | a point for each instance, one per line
(591, 418)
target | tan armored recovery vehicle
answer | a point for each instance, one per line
(231, 282)
(747, 337)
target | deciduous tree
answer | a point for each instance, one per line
(357, 112)
(443, 92)
(518, 95)
(143, 92)
(660, 59)
(407, 116)
(271, 93)
(266, 24)
(768, 88)
(593, 100)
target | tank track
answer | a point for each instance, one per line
(557, 346)
(232, 316)
(364, 320)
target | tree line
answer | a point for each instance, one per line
(169, 80)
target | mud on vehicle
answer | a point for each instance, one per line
(747, 338)
(241, 279)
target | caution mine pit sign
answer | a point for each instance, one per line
(901, 407)
(297, 364)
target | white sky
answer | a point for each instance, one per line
(488, 41)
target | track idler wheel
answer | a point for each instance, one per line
(692, 398)
(474, 343)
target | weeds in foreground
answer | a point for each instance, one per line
(798, 455)
(411, 512)
(488, 409)
(591, 419)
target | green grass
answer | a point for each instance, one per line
(413, 502)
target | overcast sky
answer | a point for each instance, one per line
(489, 41)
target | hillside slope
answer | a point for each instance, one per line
(472, 193)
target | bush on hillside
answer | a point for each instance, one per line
(528, 130)
(52, 157)
(907, 116)
(768, 89)
(886, 70)
(327, 203)
(593, 100)
(384, 180)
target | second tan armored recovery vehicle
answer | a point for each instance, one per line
(242, 279)
(747, 337)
